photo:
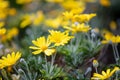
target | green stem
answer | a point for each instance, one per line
(96, 70)
(46, 66)
(114, 52)
(52, 62)
(117, 53)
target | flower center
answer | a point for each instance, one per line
(44, 47)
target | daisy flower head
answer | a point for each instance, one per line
(42, 45)
(58, 37)
(9, 60)
(105, 75)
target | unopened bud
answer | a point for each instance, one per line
(95, 63)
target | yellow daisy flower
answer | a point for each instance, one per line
(59, 38)
(42, 45)
(105, 3)
(9, 60)
(83, 17)
(110, 38)
(67, 15)
(54, 23)
(113, 25)
(78, 28)
(105, 75)
(2, 31)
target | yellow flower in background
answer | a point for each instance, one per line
(105, 3)
(58, 37)
(72, 4)
(55, 1)
(2, 31)
(34, 19)
(67, 15)
(105, 75)
(26, 21)
(78, 28)
(42, 45)
(54, 23)
(12, 33)
(9, 34)
(23, 1)
(109, 37)
(77, 10)
(38, 18)
(9, 60)
(113, 25)
(83, 17)
(4, 4)
(12, 11)
(2, 24)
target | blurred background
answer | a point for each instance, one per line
(22, 21)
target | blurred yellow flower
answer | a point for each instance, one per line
(105, 75)
(2, 24)
(12, 11)
(12, 33)
(55, 1)
(58, 37)
(105, 3)
(38, 18)
(34, 19)
(113, 25)
(67, 15)
(54, 23)
(4, 4)
(26, 21)
(2, 31)
(78, 28)
(9, 60)
(42, 45)
(108, 37)
(78, 10)
(72, 4)
(83, 17)
(23, 1)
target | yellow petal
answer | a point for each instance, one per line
(98, 76)
(103, 73)
(49, 52)
(113, 71)
(108, 71)
(32, 47)
(37, 52)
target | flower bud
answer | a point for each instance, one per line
(95, 63)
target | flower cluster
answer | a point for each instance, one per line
(44, 45)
